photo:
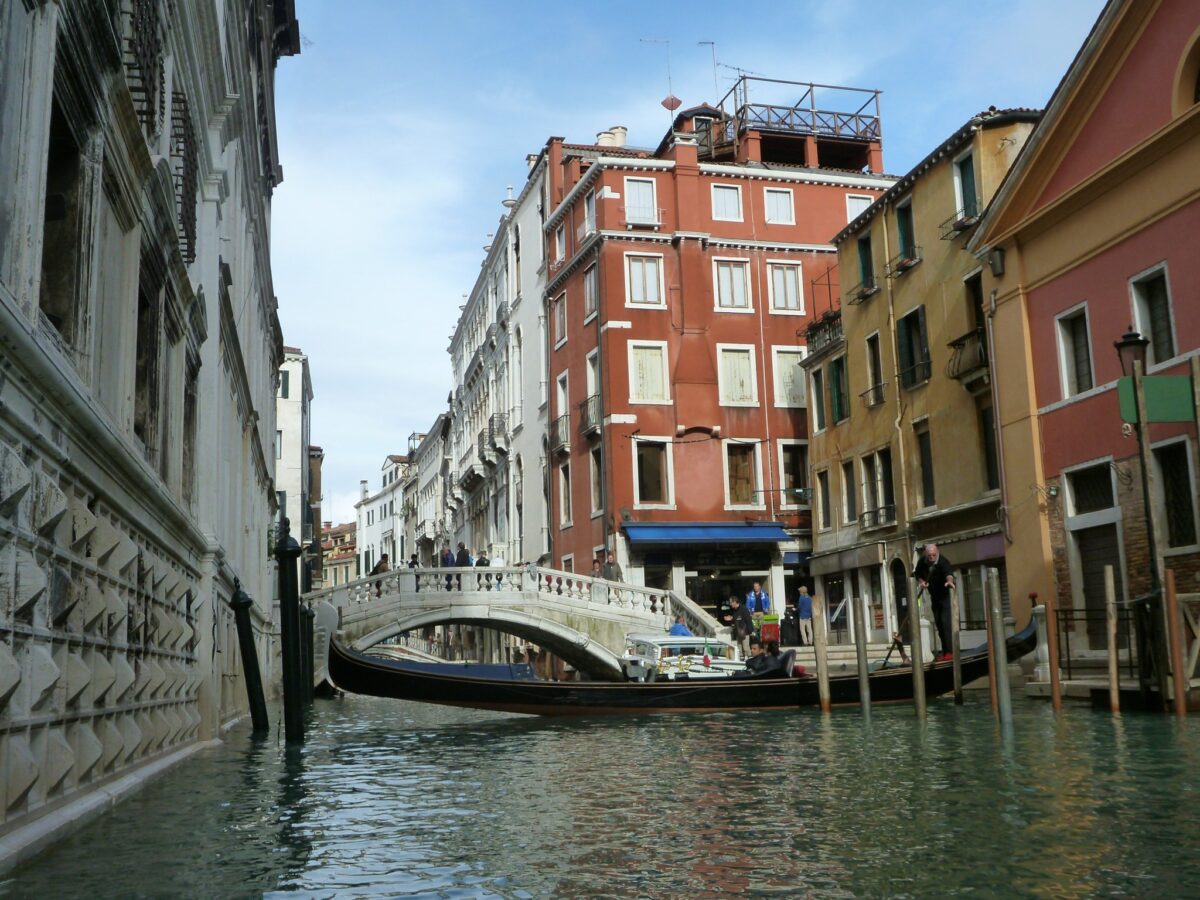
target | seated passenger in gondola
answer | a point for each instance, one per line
(758, 662)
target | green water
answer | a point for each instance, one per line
(398, 799)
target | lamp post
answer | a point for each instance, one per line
(1131, 351)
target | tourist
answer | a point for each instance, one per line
(412, 564)
(611, 570)
(738, 619)
(757, 662)
(462, 560)
(935, 574)
(597, 571)
(380, 568)
(680, 627)
(447, 562)
(804, 616)
(758, 602)
(483, 582)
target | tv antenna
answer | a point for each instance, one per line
(713, 46)
(670, 102)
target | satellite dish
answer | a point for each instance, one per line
(672, 102)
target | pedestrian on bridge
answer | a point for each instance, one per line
(483, 582)
(462, 561)
(446, 561)
(379, 569)
(611, 570)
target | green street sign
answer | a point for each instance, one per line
(1168, 398)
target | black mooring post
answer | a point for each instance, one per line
(287, 552)
(307, 615)
(240, 602)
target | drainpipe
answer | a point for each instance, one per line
(991, 351)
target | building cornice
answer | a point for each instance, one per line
(602, 163)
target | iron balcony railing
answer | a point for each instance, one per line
(873, 396)
(647, 216)
(560, 434)
(916, 374)
(824, 333)
(964, 217)
(903, 261)
(589, 415)
(483, 448)
(498, 432)
(866, 288)
(970, 355)
(878, 517)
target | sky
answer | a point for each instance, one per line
(401, 124)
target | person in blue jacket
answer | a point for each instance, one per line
(758, 602)
(804, 615)
(680, 627)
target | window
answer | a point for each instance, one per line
(560, 242)
(856, 205)
(1091, 489)
(1152, 315)
(737, 385)
(874, 395)
(866, 265)
(925, 454)
(641, 207)
(597, 482)
(823, 500)
(839, 400)
(146, 395)
(742, 485)
(784, 283)
(1074, 352)
(589, 213)
(987, 433)
(879, 502)
(60, 299)
(849, 494)
(648, 379)
(964, 187)
(974, 286)
(560, 321)
(283, 383)
(818, 400)
(913, 343)
(779, 206)
(564, 494)
(732, 278)
(727, 203)
(789, 377)
(279, 445)
(905, 233)
(1176, 493)
(643, 280)
(652, 462)
(562, 395)
(593, 372)
(590, 292)
(793, 473)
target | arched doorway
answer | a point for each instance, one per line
(900, 594)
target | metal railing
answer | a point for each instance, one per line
(482, 448)
(866, 288)
(589, 415)
(873, 396)
(970, 354)
(903, 261)
(498, 431)
(651, 216)
(916, 374)
(878, 517)
(964, 217)
(560, 433)
(1092, 624)
(824, 333)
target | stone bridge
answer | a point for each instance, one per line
(583, 620)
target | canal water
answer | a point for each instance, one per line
(398, 799)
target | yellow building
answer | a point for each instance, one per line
(902, 441)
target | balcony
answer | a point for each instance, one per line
(585, 230)
(590, 415)
(916, 375)
(642, 216)
(903, 261)
(560, 434)
(470, 477)
(866, 288)
(484, 448)
(969, 362)
(963, 219)
(824, 334)
(502, 312)
(879, 517)
(498, 433)
(873, 396)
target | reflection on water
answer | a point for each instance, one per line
(391, 798)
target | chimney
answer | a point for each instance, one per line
(606, 139)
(618, 132)
(362, 489)
(530, 160)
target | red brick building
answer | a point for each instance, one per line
(679, 285)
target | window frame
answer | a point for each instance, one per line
(778, 350)
(744, 262)
(781, 444)
(845, 384)
(662, 292)
(1159, 502)
(566, 506)
(910, 383)
(905, 207)
(741, 404)
(560, 242)
(559, 309)
(928, 480)
(666, 370)
(849, 494)
(712, 199)
(653, 182)
(772, 307)
(959, 196)
(767, 206)
(823, 504)
(596, 480)
(1064, 379)
(1136, 317)
(756, 444)
(589, 205)
(816, 398)
(669, 470)
(868, 197)
(591, 276)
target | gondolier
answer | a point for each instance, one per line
(935, 574)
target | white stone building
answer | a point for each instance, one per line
(293, 437)
(428, 479)
(140, 345)
(380, 517)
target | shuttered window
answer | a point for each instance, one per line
(640, 207)
(742, 467)
(737, 377)
(647, 375)
(590, 291)
(785, 287)
(1075, 352)
(839, 401)
(905, 232)
(726, 203)
(1178, 494)
(779, 207)
(968, 202)
(823, 499)
(732, 284)
(643, 286)
(1153, 307)
(795, 473)
(818, 400)
(789, 377)
(652, 472)
(925, 453)
(913, 343)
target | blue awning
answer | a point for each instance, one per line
(705, 533)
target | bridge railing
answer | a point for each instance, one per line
(551, 585)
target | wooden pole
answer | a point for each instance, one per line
(860, 649)
(999, 650)
(818, 605)
(1051, 609)
(955, 646)
(1175, 637)
(918, 654)
(991, 656)
(1114, 672)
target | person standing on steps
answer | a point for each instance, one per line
(758, 602)
(936, 575)
(804, 616)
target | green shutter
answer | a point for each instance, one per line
(906, 357)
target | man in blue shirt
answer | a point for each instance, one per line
(680, 628)
(758, 602)
(804, 615)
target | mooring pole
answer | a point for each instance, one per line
(1051, 608)
(999, 649)
(819, 649)
(1114, 668)
(918, 654)
(955, 646)
(860, 649)
(240, 602)
(307, 615)
(287, 552)
(1175, 636)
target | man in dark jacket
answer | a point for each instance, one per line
(936, 575)
(738, 618)
(462, 561)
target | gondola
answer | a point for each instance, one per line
(514, 689)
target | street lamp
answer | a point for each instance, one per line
(1131, 350)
